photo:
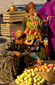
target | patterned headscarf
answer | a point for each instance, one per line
(20, 34)
(30, 5)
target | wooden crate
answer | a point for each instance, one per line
(7, 28)
(13, 16)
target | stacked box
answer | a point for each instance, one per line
(6, 29)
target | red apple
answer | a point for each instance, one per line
(53, 68)
(39, 67)
(45, 64)
(54, 65)
(40, 70)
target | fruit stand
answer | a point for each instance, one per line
(38, 75)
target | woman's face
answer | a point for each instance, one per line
(31, 11)
(21, 41)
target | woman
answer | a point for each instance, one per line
(31, 25)
(48, 11)
(15, 57)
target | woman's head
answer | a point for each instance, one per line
(20, 37)
(31, 8)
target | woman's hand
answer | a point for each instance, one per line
(18, 54)
(39, 61)
(35, 15)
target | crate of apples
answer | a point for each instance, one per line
(47, 71)
(45, 68)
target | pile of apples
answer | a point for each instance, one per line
(29, 77)
(45, 68)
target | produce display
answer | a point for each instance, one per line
(45, 68)
(29, 77)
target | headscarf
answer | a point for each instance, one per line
(20, 34)
(13, 34)
(30, 5)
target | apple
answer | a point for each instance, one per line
(48, 70)
(51, 65)
(40, 70)
(29, 83)
(46, 67)
(42, 67)
(18, 77)
(36, 76)
(30, 79)
(39, 67)
(21, 80)
(29, 76)
(36, 69)
(53, 68)
(34, 84)
(26, 82)
(43, 80)
(35, 81)
(22, 76)
(16, 81)
(25, 78)
(28, 70)
(43, 70)
(32, 70)
(22, 83)
(54, 65)
(25, 73)
(38, 83)
(45, 64)
(40, 77)
(33, 74)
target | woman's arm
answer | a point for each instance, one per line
(27, 50)
(24, 23)
(42, 12)
(54, 9)
(6, 51)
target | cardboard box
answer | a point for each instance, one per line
(48, 76)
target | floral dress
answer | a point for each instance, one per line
(33, 33)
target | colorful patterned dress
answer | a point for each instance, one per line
(33, 34)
